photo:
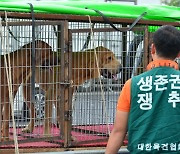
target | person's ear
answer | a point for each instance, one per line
(153, 49)
(178, 55)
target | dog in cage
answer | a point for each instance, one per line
(16, 69)
(89, 64)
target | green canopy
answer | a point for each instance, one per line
(83, 7)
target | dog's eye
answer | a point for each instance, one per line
(109, 58)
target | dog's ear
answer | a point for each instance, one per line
(105, 55)
(45, 56)
(101, 48)
(43, 50)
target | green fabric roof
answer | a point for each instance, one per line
(78, 7)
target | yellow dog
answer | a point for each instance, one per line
(20, 63)
(84, 67)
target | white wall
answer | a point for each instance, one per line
(141, 2)
(148, 2)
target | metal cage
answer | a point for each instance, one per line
(85, 110)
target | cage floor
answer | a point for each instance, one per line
(85, 136)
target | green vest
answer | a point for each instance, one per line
(154, 119)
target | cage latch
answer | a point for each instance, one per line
(68, 115)
(67, 83)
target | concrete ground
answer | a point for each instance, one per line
(121, 151)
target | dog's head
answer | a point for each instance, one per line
(43, 56)
(109, 65)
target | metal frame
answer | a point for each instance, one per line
(65, 44)
(78, 18)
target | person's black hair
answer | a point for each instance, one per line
(167, 42)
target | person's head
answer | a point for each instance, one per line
(166, 42)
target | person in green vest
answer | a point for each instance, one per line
(149, 103)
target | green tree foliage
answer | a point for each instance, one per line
(171, 2)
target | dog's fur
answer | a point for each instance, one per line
(84, 67)
(20, 61)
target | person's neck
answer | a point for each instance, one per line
(156, 57)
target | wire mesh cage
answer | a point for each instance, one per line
(68, 98)
(95, 100)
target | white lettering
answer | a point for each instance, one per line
(174, 98)
(141, 146)
(145, 84)
(164, 146)
(148, 146)
(175, 79)
(173, 146)
(145, 100)
(156, 146)
(160, 82)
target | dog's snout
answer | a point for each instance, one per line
(119, 69)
